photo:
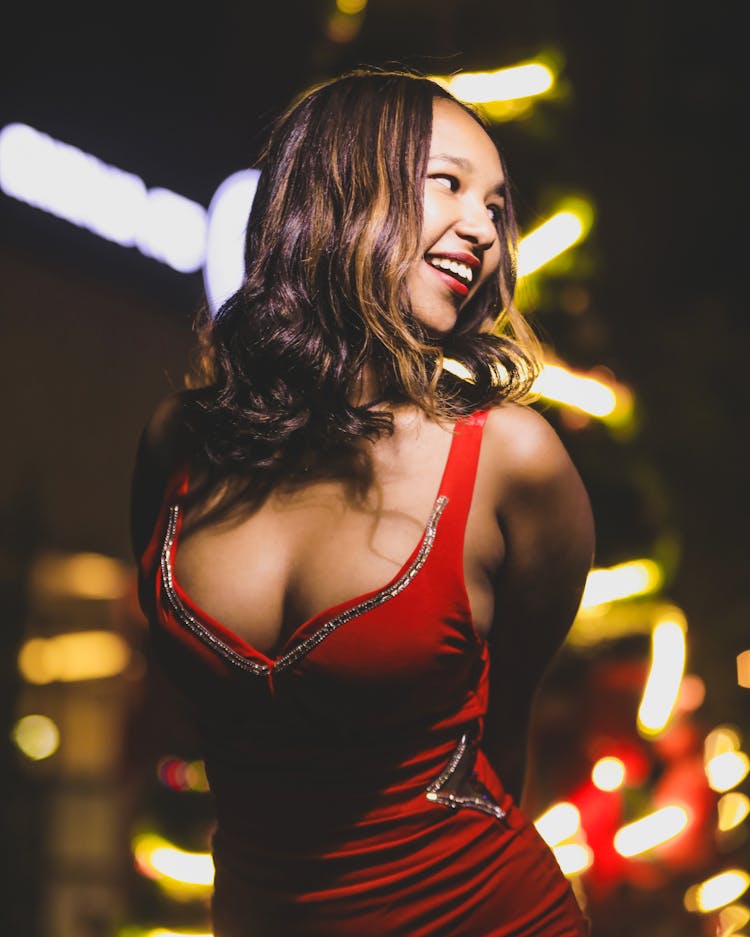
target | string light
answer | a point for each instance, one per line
(159, 859)
(560, 822)
(650, 831)
(660, 694)
(525, 80)
(549, 240)
(732, 808)
(608, 774)
(623, 581)
(727, 770)
(717, 891)
(573, 858)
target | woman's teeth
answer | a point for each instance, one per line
(460, 271)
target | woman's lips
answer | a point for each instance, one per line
(461, 289)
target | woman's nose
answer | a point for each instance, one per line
(476, 225)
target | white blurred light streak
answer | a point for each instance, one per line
(73, 185)
(668, 654)
(575, 390)
(623, 581)
(158, 858)
(550, 239)
(573, 858)
(560, 822)
(718, 891)
(727, 770)
(225, 245)
(650, 831)
(504, 84)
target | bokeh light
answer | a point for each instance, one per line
(668, 653)
(608, 774)
(79, 655)
(658, 827)
(558, 823)
(727, 770)
(717, 891)
(732, 809)
(36, 736)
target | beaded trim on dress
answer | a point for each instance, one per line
(304, 647)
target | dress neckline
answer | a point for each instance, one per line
(313, 629)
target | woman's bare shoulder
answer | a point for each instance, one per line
(526, 450)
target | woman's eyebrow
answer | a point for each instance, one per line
(466, 164)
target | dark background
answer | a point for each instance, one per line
(650, 127)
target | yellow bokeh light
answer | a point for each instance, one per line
(157, 858)
(658, 827)
(560, 822)
(505, 84)
(623, 581)
(564, 386)
(77, 655)
(608, 774)
(80, 575)
(548, 241)
(575, 390)
(743, 669)
(668, 654)
(732, 808)
(727, 770)
(717, 891)
(36, 736)
(732, 918)
(724, 738)
(163, 932)
(351, 7)
(573, 858)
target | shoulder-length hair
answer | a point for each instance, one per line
(334, 229)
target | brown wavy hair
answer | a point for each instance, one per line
(334, 229)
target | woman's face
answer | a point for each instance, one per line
(463, 200)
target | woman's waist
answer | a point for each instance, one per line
(357, 793)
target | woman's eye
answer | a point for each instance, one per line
(445, 179)
(495, 212)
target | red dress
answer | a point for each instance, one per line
(352, 793)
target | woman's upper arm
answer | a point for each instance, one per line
(158, 451)
(545, 516)
(546, 520)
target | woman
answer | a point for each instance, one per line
(330, 471)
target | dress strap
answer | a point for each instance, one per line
(460, 473)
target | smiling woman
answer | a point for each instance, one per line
(342, 545)
(462, 219)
